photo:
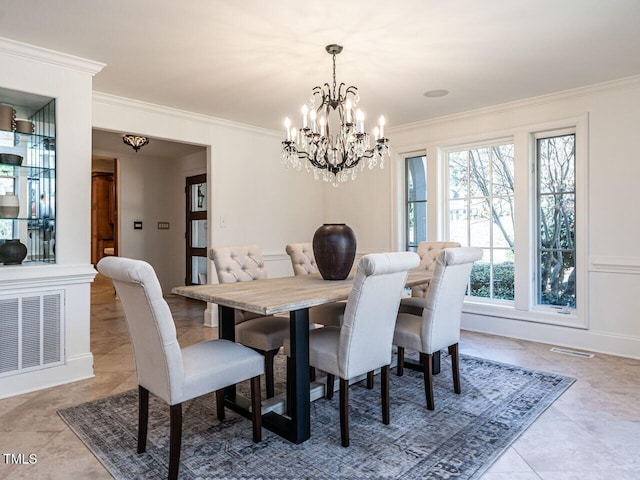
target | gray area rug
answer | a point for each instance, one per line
(460, 439)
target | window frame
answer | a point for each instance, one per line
(524, 307)
(535, 137)
(488, 144)
(406, 201)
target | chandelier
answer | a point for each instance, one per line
(331, 147)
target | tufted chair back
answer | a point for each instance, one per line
(238, 264)
(156, 351)
(302, 258)
(428, 253)
(242, 263)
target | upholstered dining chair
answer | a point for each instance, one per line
(428, 252)
(438, 326)
(352, 350)
(303, 262)
(265, 334)
(172, 373)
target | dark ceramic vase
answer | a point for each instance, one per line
(12, 252)
(334, 247)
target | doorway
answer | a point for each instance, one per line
(104, 208)
(196, 229)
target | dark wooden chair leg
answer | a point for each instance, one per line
(175, 439)
(329, 387)
(344, 412)
(268, 372)
(256, 409)
(400, 368)
(384, 389)
(220, 404)
(427, 366)
(370, 378)
(143, 418)
(312, 374)
(455, 366)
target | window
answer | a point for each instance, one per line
(481, 214)
(556, 221)
(416, 201)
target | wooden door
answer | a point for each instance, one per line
(103, 215)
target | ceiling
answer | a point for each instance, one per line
(256, 61)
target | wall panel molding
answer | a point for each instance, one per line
(621, 265)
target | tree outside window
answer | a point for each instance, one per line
(481, 214)
(556, 201)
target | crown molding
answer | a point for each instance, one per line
(123, 102)
(565, 95)
(51, 57)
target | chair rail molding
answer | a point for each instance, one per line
(26, 276)
(621, 265)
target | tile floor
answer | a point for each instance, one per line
(591, 433)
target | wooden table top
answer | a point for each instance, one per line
(280, 295)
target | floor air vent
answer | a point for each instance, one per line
(31, 332)
(572, 352)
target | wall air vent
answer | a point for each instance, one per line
(31, 332)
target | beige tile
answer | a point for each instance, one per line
(531, 475)
(64, 457)
(564, 446)
(583, 404)
(614, 474)
(509, 463)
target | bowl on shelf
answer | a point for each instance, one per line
(7, 118)
(25, 126)
(9, 206)
(10, 159)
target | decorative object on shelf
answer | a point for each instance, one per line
(24, 126)
(9, 206)
(334, 248)
(11, 159)
(13, 252)
(135, 141)
(7, 118)
(333, 155)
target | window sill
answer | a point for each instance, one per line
(545, 316)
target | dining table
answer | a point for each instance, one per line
(282, 295)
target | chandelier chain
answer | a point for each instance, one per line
(334, 77)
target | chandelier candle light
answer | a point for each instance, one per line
(333, 155)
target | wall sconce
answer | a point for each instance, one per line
(135, 141)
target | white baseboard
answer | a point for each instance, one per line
(593, 341)
(77, 368)
(211, 315)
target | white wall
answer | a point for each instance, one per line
(69, 80)
(251, 193)
(613, 222)
(151, 190)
